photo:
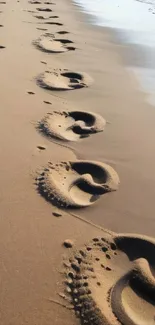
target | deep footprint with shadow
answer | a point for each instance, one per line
(76, 184)
(71, 126)
(112, 280)
(63, 80)
(49, 44)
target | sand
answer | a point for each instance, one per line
(110, 280)
(32, 229)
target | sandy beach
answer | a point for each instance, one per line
(42, 141)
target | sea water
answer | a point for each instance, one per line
(134, 24)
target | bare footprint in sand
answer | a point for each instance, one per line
(71, 126)
(76, 184)
(112, 281)
(64, 80)
(47, 43)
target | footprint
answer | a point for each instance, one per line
(53, 23)
(41, 28)
(40, 147)
(47, 102)
(34, 2)
(71, 126)
(31, 93)
(63, 80)
(126, 294)
(44, 9)
(40, 17)
(76, 184)
(49, 44)
(45, 18)
(62, 32)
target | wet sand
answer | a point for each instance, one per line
(31, 237)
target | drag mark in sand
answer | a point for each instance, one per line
(71, 126)
(49, 44)
(63, 80)
(112, 280)
(76, 184)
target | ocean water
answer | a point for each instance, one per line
(134, 25)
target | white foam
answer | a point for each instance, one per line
(135, 22)
(130, 15)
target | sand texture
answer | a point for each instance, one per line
(111, 280)
(73, 164)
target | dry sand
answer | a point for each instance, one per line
(32, 229)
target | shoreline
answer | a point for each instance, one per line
(137, 40)
(32, 251)
(124, 142)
